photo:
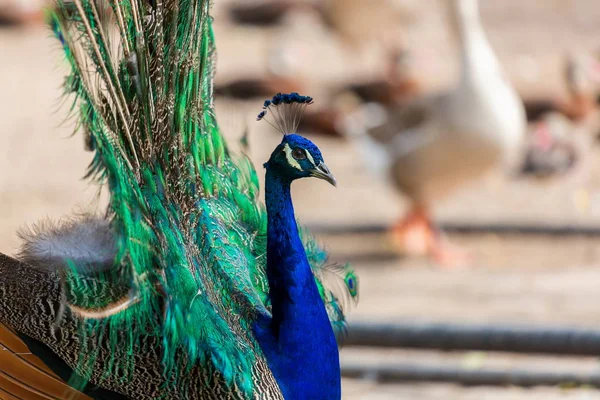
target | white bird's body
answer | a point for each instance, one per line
(437, 143)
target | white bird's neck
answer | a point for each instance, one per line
(479, 63)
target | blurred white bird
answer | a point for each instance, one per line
(435, 144)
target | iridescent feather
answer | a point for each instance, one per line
(188, 279)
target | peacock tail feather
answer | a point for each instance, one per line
(189, 270)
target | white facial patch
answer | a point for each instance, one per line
(290, 159)
(310, 158)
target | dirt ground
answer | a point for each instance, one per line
(513, 279)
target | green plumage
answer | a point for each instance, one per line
(191, 231)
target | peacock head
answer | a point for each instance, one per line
(295, 157)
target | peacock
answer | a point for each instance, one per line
(186, 286)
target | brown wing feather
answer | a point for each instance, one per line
(401, 118)
(5, 395)
(25, 376)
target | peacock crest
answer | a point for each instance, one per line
(287, 111)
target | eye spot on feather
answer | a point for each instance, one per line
(352, 284)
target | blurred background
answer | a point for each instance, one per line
(516, 242)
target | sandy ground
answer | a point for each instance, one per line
(541, 280)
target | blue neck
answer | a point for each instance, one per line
(298, 340)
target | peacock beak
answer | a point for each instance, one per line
(322, 172)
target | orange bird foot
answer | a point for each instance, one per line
(416, 236)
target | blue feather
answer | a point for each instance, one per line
(298, 340)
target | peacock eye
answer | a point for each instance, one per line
(299, 154)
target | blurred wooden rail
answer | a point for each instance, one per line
(450, 337)
(467, 377)
(468, 228)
